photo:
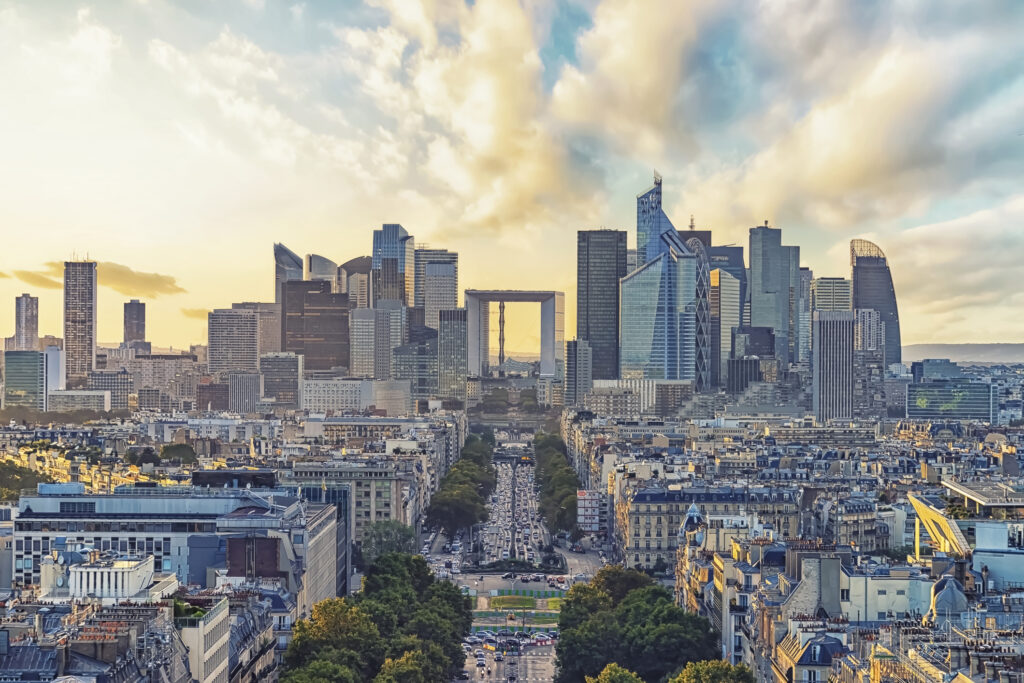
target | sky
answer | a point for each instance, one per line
(175, 142)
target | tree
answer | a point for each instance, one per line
(618, 581)
(320, 671)
(338, 632)
(613, 673)
(412, 667)
(387, 536)
(179, 452)
(714, 671)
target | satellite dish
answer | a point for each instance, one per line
(60, 581)
(60, 559)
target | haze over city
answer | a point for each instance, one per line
(174, 143)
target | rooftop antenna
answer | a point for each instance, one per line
(692, 225)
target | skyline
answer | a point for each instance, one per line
(239, 135)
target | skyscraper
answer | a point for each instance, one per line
(729, 258)
(578, 373)
(440, 290)
(424, 256)
(25, 380)
(724, 309)
(56, 380)
(287, 266)
(316, 267)
(832, 364)
(314, 323)
(355, 274)
(869, 392)
(26, 323)
(79, 320)
(701, 310)
(775, 290)
(803, 308)
(282, 379)
(600, 264)
(393, 267)
(657, 325)
(452, 353)
(375, 333)
(134, 321)
(832, 294)
(268, 320)
(416, 362)
(872, 288)
(233, 341)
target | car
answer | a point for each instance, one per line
(472, 640)
(508, 575)
(478, 653)
(464, 675)
(480, 663)
(525, 579)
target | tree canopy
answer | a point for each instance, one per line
(621, 617)
(386, 536)
(461, 499)
(714, 671)
(403, 627)
(13, 478)
(558, 482)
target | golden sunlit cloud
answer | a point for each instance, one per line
(37, 279)
(136, 283)
(117, 277)
(195, 313)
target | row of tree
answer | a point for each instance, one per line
(14, 478)
(711, 671)
(461, 499)
(402, 627)
(622, 617)
(558, 483)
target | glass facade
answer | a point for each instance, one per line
(600, 263)
(287, 266)
(872, 288)
(314, 323)
(25, 380)
(775, 287)
(950, 400)
(393, 268)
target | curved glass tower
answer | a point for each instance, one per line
(287, 266)
(657, 304)
(318, 267)
(872, 289)
(702, 316)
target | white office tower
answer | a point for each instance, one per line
(832, 364)
(440, 290)
(233, 340)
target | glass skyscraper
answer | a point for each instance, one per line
(658, 307)
(872, 288)
(775, 290)
(394, 262)
(287, 266)
(25, 380)
(600, 264)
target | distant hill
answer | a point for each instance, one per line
(978, 353)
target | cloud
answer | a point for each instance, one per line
(116, 276)
(37, 279)
(125, 280)
(195, 313)
(3, 275)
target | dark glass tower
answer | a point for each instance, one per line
(134, 321)
(314, 323)
(600, 262)
(872, 289)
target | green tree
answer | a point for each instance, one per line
(179, 452)
(386, 536)
(613, 673)
(618, 581)
(338, 632)
(714, 671)
(320, 671)
(412, 667)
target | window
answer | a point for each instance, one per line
(844, 594)
(901, 592)
(882, 591)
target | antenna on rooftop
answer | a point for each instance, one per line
(693, 226)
